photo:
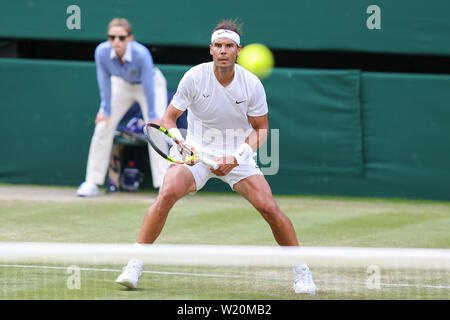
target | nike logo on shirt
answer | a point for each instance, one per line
(237, 102)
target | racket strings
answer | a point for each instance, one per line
(162, 143)
(158, 139)
(184, 149)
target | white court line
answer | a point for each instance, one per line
(215, 275)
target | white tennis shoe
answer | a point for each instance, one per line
(303, 281)
(131, 274)
(87, 189)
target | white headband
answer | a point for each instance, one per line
(224, 33)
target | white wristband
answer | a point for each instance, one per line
(243, 153)
(176, 133)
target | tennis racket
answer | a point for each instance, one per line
(160, 139)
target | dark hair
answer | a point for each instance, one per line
(230, 24)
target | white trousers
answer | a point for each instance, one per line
(123, 96)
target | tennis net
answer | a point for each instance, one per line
(88, 271)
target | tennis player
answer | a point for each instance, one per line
(222, 98)
(125, 74)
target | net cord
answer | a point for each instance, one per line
(166, 254)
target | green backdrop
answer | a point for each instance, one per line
(340, 132)
(407, 26)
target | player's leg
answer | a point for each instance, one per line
(257, 191)
(178, 182)
(103, 137)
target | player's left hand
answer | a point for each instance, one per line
(226, 164)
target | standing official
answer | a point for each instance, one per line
(125, 74)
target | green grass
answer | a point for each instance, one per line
(225, 219)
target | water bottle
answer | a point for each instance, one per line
(130, 178)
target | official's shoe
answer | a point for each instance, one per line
(87, 189)
(303, 281)
(131, 274)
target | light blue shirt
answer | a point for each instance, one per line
(137, 68)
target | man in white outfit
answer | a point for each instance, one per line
(228, 122)
(125, 74)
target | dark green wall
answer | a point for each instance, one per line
(405, 141)
(47, 111)
(407, 26)
(341, 132)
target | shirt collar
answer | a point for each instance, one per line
(126, 57)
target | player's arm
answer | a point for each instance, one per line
(169, 119)
(254, 141)
(259, 123)
(260, 131)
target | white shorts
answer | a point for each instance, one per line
(202, 173)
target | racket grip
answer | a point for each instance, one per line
(210, 163)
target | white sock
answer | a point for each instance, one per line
(137, 248)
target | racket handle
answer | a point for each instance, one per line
(210, 163)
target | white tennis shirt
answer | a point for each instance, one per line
(217, 116)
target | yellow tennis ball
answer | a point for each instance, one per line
(258, 59)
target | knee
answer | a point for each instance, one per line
(271, 212)
(164, 202)
(167, 196)
(269, 208)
